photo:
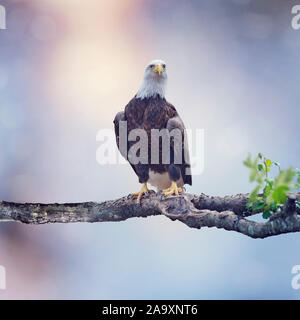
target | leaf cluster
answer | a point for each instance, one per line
(270, 193)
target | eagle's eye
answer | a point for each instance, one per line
(151, 66)
(164, 66)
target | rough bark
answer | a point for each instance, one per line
(195, 211)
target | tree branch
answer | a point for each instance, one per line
(195, 211)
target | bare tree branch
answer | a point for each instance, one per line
(195, 211)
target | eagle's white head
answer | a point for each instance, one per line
(155, 80)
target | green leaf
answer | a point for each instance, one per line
(280, 194)
(269, 182)
(268, 163)
(249, 206)
(248, 161)
(260, 156)
(285, 178)
(254, 193)
(252, 175)
(260, 167)
(258, 205)
(267, 191)
(267, 214)
(273, 206)
(276, 164)
(253, 168)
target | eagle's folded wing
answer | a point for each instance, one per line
(185, 166)
(120, 116)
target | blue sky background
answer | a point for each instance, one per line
(67, 67)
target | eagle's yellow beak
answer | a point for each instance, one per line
(158, 68)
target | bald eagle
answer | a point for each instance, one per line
(149, 110)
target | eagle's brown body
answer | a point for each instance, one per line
(155, 113)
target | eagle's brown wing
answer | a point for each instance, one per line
(161, 114)
(185, 166)
(121, 117)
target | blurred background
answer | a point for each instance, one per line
(67, 67)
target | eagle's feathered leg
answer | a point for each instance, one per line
(174, 174)
(140, 194)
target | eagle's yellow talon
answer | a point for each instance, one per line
(172, 190)
(166, 190)
(140, 194)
